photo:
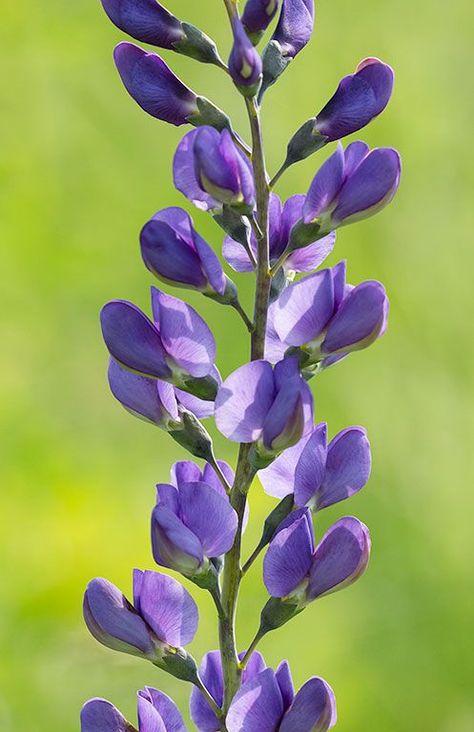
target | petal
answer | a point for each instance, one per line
(146, 20)
(167, 495)
(235, 255)
(244, 400)
(168, 609)
(284, 423)
(257, 706)
(308, 258)
(292, 213)
(354, 154)
(255, 665)
(313, 709)
(275, 234)
(325, 187)
(185, 335)
(371, 187)
(340, 558)
(185, 471)
(113, 621)
(174, 544)
(295, 26)
(278, 479)
(201, 408)
(99, 715)
(210, 264)
(163, 706)
(140, 396)
(285, 682)
(360, 320)
(304, 309)
(347, 468)
(152, 84)
(133, 340)
(210, 672)
(149, 719)
(274, 347)
(209, 516)
(210, 476)
(289, 556)
(311, 467)
(258, 14)
(184, 175)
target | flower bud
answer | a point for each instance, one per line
(245, 64)
(257, 16)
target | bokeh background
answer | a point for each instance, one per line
(81, 170)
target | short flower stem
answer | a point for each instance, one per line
(210, 700)
(237, 306)
(217, 469)
(251, 649)
(278, 175)
(255, 554)
(279, 263)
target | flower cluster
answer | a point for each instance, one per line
(163, 370)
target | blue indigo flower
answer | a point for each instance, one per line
(295, 570)
(282, 220)
(212, 675)
(293, 32)
(210, 170)
(326, 318)
(192, 522)
(156, 713)
(352, 185)
(150, 22)
(163, 615)
(245, 64)
(267, 703)
(270, 406)
(319, 474)
(257, 16)
(174, 251)
(177, 346)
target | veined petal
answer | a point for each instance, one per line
(324, 189)
(311, 466)
(174, 544)
(184, 175)
(99, 715)
(285, 682)
(168, 609)
(146, 20)
(210, 672)
(313, 708)
(278, 479)
(289, 556)
(310, 257)
(304, 309)
(257, 706)
(347, 468)
(210, 517)
(154, 705)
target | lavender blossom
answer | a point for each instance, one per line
(177, 346)
(163, 615)
(272, 407)
(282, 220)
(257, 16)
(267, 703)
(211, 171)
(319, 474)
(297, 571)
(156, 713)
(245, 64)
(150, 22)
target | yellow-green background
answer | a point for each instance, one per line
(81, 170)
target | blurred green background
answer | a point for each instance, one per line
(81, 169)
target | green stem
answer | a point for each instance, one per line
(255, 554)
(217, 469)
(237, 306)
(251, 649)
(210, 700)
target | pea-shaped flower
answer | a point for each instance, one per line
(156, 713)
(212, 676)
(177, 346)
(351, 185)
(319, 474)
(150, 22)
(282, 219)
(267, 703)
(191, 523)
(270, 406)
(212, 171)
(163, 616)
(257, 16)
(174, 252)
(295, 570)
(245, 64)
(326, 317)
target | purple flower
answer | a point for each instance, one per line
(146, 20)
(267, 703)
(211, 674)
(211, 171)
(297, 571)
(245, 64)
(177, 346)
(295, 26)
(192, 521)
(352, 185)
(163, 614)
(257, 403)
(318, 474)
(152, 84)
(358, 99)
(257, 16)
(174, 252)
(326, 317)
(282, 221)
(150, 22)
(156, 713)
